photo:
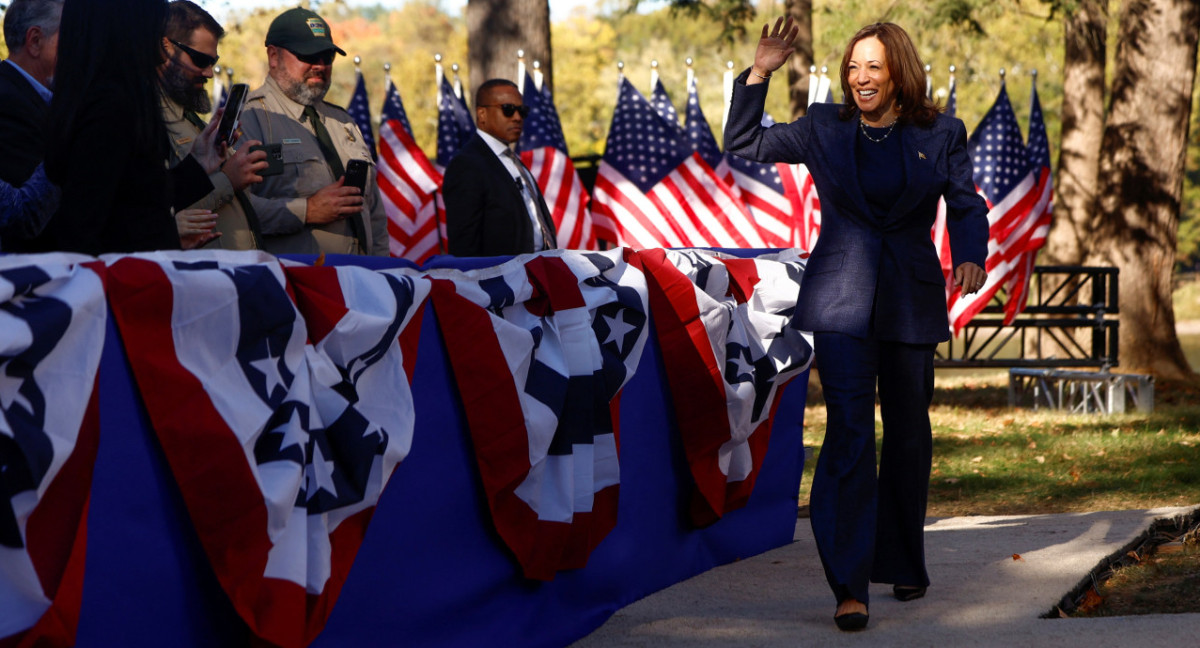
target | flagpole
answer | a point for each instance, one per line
(823, 86)
(520, 68)
(928, 81)
(728, 86)
(538, 77)
(439, 73)
(813, 84)
(653, 74)
(458, 86)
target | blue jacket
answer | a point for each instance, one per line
(861, 264)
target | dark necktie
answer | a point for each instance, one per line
(247, 208)
(548, 242)
(335, 165)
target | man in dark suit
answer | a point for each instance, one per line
(26, 78)
(493, 204)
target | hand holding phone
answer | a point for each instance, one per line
(356, 174)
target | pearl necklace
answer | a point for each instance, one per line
(863, 124)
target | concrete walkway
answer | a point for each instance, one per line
(980, 596)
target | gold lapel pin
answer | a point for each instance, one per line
(920, 155)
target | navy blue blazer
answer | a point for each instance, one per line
(485, 211)
(862, 265)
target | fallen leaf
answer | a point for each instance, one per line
(1074, 475)
(1091, 600)
(1101, 453)
(1018, 557)
(951, 480)
(1033, 445)
(1116, 433)
(1008, 421)
(977, 459)
(1133, 554)
(1067, 457)
(1040, 459)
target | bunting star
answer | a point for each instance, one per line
(618, 329)
(292, 431)
(269, 368)
(319, 473)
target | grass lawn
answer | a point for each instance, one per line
(989, 459)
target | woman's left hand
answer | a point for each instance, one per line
(969, 277)
(195, 227)
(205, 149)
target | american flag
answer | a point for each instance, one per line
(662, 103)
(1037, 224)
(296, 393)
(774, 193)
(408, 183)
(726, 327)
(1008, 182)
(652, 190)
(544, 150)
(455, 124)
(540, 347)
(53, 318)
(455, 128)
(700, 137)
(940, 232)
(360, 111)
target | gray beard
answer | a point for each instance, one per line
(178, 88)
(302, 93)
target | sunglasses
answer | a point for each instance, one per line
(199, 59)
(323, 58)
(509, 109)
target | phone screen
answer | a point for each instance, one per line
(233, 111)
(356, 174)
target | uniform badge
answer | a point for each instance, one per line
(349, 133)
(920, 155)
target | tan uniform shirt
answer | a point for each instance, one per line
(231, 219)
(273, 118)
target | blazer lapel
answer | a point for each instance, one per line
(920, 155)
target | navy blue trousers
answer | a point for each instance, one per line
(868, 527)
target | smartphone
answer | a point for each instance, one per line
(356, 174)
(233, 111)
(274, 158)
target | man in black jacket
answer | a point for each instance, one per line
(493, 204)
(26, 80)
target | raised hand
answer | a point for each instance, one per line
(774, 47)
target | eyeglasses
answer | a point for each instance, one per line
(322, 58)
(509, 109)
(199, 59)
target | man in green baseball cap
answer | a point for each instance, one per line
(306, 204)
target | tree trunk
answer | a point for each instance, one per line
(800, 62)
(497, 29)
(1084, 36)
(1141, 175)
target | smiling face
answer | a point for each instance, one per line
(870, 82)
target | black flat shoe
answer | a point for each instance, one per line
(851, 622)
(903, 593)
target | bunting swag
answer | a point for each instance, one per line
(540, 347)
(281, 420)
(52, 323)
(729, 347)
